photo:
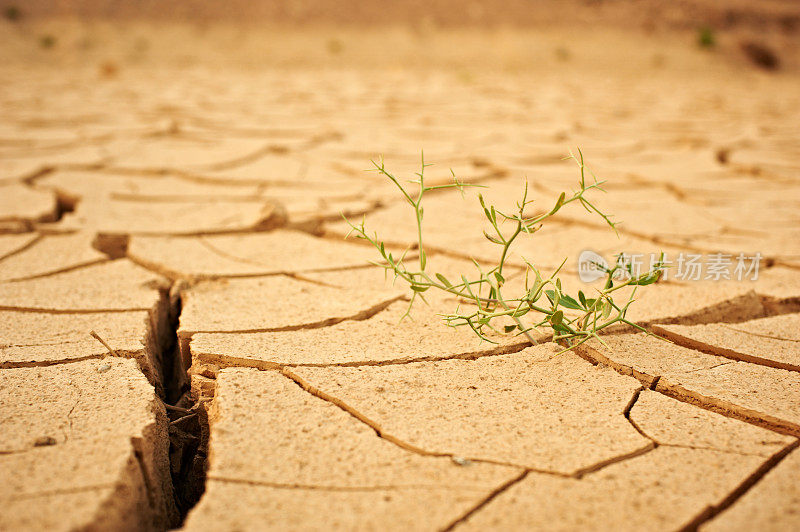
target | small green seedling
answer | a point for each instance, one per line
(543, 304)
(706, 37)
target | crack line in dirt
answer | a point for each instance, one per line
(46, 363)
(728, 409)
(210, 126)
(316, 487)
(316, 392)
(358, 316)
(214, 249)
(191, 177)
(709, 368)
(58, 271)
(736, 310)
(486, 500)
(577, 474)
(661, 385)
(653, 238)
(302, 278)
(263, 226)
(627, 414)
(255, 155)
(31, 177)
(313, 224)
(227, 361)
(176, 275)
(64, 491)
(729, 500)
(788, 265)
(710, 349)
(430, 250)
(72, 311)
(769, 336)
(187, 198)
(38, 238)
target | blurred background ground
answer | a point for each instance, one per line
(763, 32)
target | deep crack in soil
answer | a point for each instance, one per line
(188, 423)
(708, 513)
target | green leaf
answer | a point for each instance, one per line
(557, 317)
(559, 203)
(500, 279)
(509, 328)
(532, 296)
(646, 279)
(485, 210)
(423, 259)
(590, 304)
(569, 302)
(606, 309)
(537, 283)
(582, 298)
(492, 239)
(418, 288)
(444, 280)
(561, 328)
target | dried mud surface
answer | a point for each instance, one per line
(187, 340)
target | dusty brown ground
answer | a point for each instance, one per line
(177, 190)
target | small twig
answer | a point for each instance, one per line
(178, 409)
(187, 416)
(105, 344)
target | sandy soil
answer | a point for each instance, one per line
(177, 188)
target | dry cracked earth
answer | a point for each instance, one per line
(189, 341)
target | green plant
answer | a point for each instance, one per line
(573, 320)
(706, 37)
